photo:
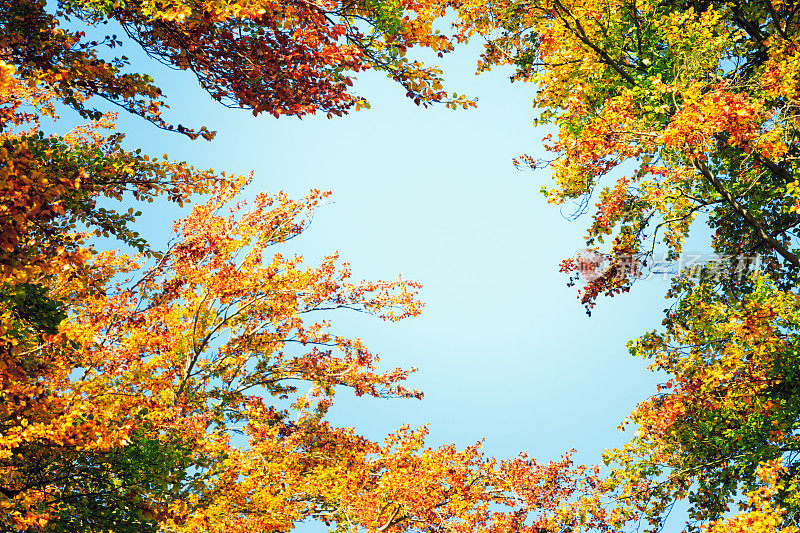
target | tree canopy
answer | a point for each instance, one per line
(674, 117)
(187, 389)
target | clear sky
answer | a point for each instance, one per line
(505, 350)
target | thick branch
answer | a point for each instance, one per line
(749, 218)
(392, 520)
(579, 32)
(773, 167)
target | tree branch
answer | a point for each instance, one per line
(749, 218)
(581, 34)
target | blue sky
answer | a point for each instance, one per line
(505, 350)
